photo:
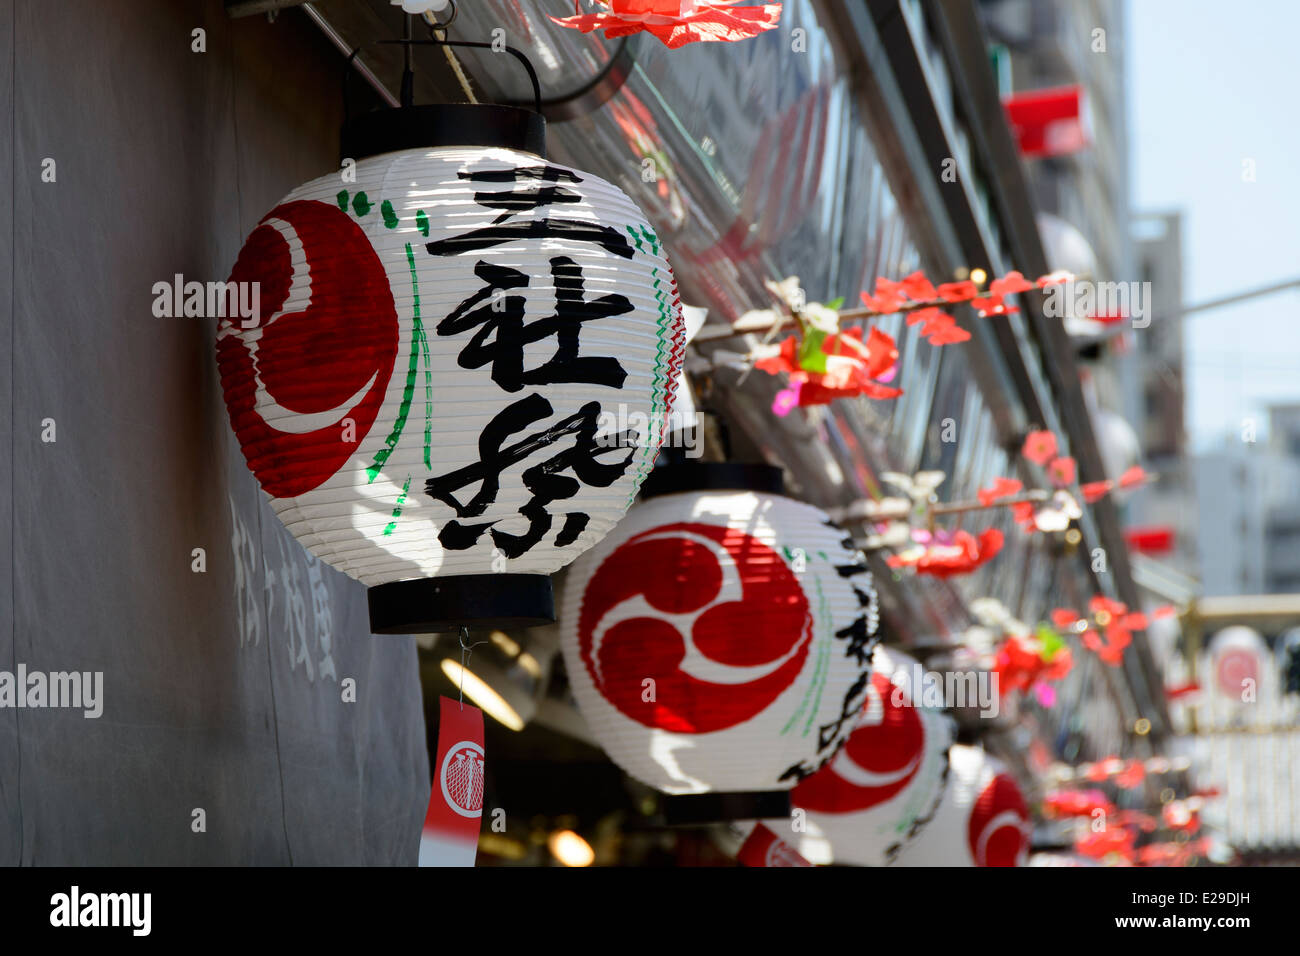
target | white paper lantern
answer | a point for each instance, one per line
(883, 787)
(982, 819)
(720, 641)
(448, 350)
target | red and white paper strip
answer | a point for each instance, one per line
(451, 826)
(764, 848)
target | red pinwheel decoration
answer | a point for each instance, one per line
(841, 365)
(676, 23)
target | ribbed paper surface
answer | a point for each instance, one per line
(403, 314)
(751, 617)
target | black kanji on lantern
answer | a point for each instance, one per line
(544, 480)
(501, 334)
(544, 192)
(827, 734)
(495, 317)
(515, 201)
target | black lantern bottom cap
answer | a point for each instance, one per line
(703, 809)
(678, 477)
(475, 601)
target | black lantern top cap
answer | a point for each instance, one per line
(443, 124)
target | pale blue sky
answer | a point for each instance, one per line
(1212, 84)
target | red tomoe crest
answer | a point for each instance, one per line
(712, 615)
(462, 778)
(998, 821)
(321, 351)
(880, 758)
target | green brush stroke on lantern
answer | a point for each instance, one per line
(361, 205)
(823, 660)
(659, 384)
(397, 512)
(342, 198)
(418, 340)
(818, 678)
(390, 217)
(422, 223)
(428, 363)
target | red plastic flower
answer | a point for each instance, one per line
(1132, 775)
(1134, 476)
(926, 316)
(1040, 447)
(889, 298)
(1111, 617)
(944, 330)
(1094, 491)
(1100, 604)
(1024, 514)
(1060, 664)
(1065, 618)
(1021, 663)
(1116, 840)
(1010, 284)
(1001, 488)
(1062, 471)
(677, 22)
(1053, 278)
(963, 555)
(1077, 803)
(992, 304)
(1017, 664)
(918, 287)
(938, 327)
(962, 291)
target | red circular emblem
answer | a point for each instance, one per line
(998, 822)
(880, 758)
(462, 778)
(320, 352)
(713, 616)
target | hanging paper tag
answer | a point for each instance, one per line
(764, 848)
(451, 826)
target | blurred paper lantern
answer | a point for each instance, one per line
(1066, 248)
(885, 784)
(1118, 444)
(981, 821)
(1237, 655)
(447, 342)
(720, 640)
